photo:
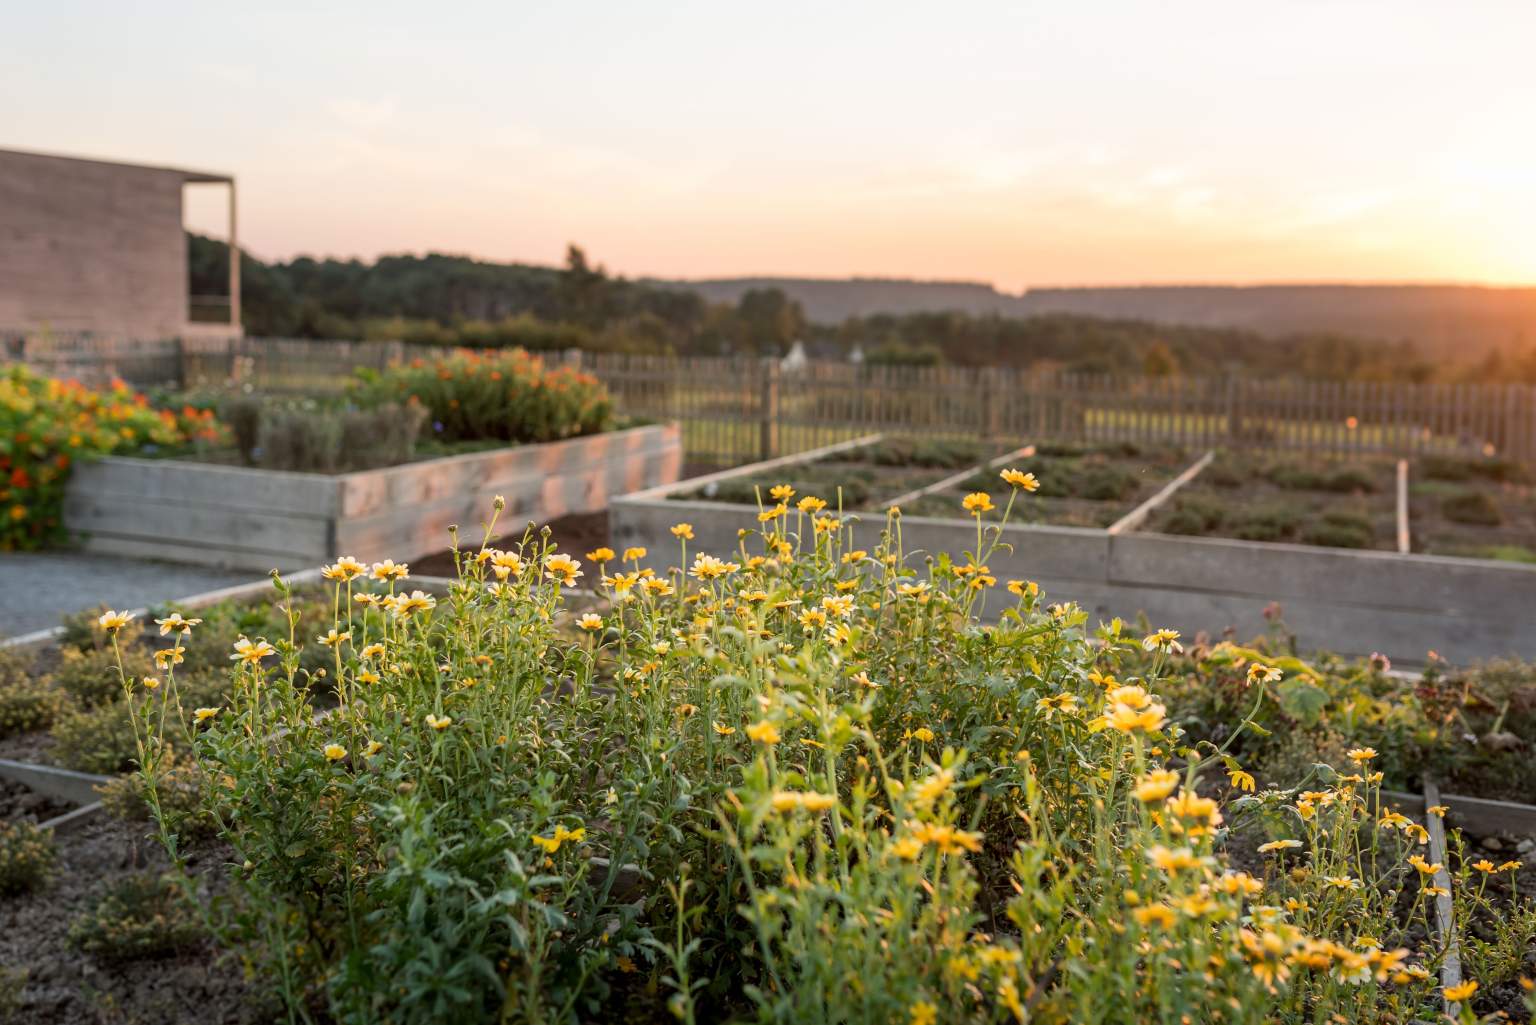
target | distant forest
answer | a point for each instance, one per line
(455, 300)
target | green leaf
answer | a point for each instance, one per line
(1303, 700)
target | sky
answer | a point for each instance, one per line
(1018, 143)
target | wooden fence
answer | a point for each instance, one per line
(736, 410)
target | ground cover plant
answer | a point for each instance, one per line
(1090, 485)
(322, 436)
(1472, 729)
(48, 425)
(1483, 508)
(792, 782)
(1333, 503)
(863, 478)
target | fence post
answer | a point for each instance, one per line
(990, 428)
(768, 410)
(1234, 413)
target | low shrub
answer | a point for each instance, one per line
(1349, 480)
(1267, 522)
(92, 677)
(1459, 468)
(311, 436)
(499, 396)
(96, 740)
(936, 453)
(46, 426)
(29, 705)
(26, 858)
(1225, 472)
(1339, 529)
(1472, 729)
(1474, 508)
(1342, 479)
(1193, 514)
(102, 739)
(26, 703)
(1100, 483)
(143, 916)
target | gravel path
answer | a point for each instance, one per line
(36, 588)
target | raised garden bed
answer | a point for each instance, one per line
(1327, 503)
(864, 474)
(1093, 485)
(565, 712)
(1352, 601)
(1476, 508)
(260, 519)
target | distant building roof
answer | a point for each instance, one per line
(187, 175)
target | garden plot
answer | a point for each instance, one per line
(864, 476)
(1327, 503)
(1473, 508)
(1092, 485)
(578, 757)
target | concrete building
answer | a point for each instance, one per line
(97, 247)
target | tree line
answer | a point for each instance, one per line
(457, 300)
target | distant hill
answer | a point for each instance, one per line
(1461, 318)
(833, 300)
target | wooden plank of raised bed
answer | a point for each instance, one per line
(1404, 544)
(232, 488)
(1137, 516)
(60, 784)
(176, 519)
(1023, 452)
(695, 483)
(1450, 967)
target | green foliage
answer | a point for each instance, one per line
(1472, 729)
(26, 703)
(1343, 479)
(92, 677)
(1269, 521)
(1339, 529)
(13, 982)
(46, 426)
(143, 916)
(809, 784)
(102, 740)
(506, 396)
(312, 436)
(457, 301)
(178, 792)
(26, 858)
(97, 740)
(1474, 508)
(930, 452)
(1192, 514)
(1460, 469)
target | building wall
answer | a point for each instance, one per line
(91, 246)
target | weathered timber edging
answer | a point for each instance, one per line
(1445, 918)
(1137, 516)
(242, 518)
(1022, 452)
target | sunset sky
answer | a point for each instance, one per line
(1017, 143)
